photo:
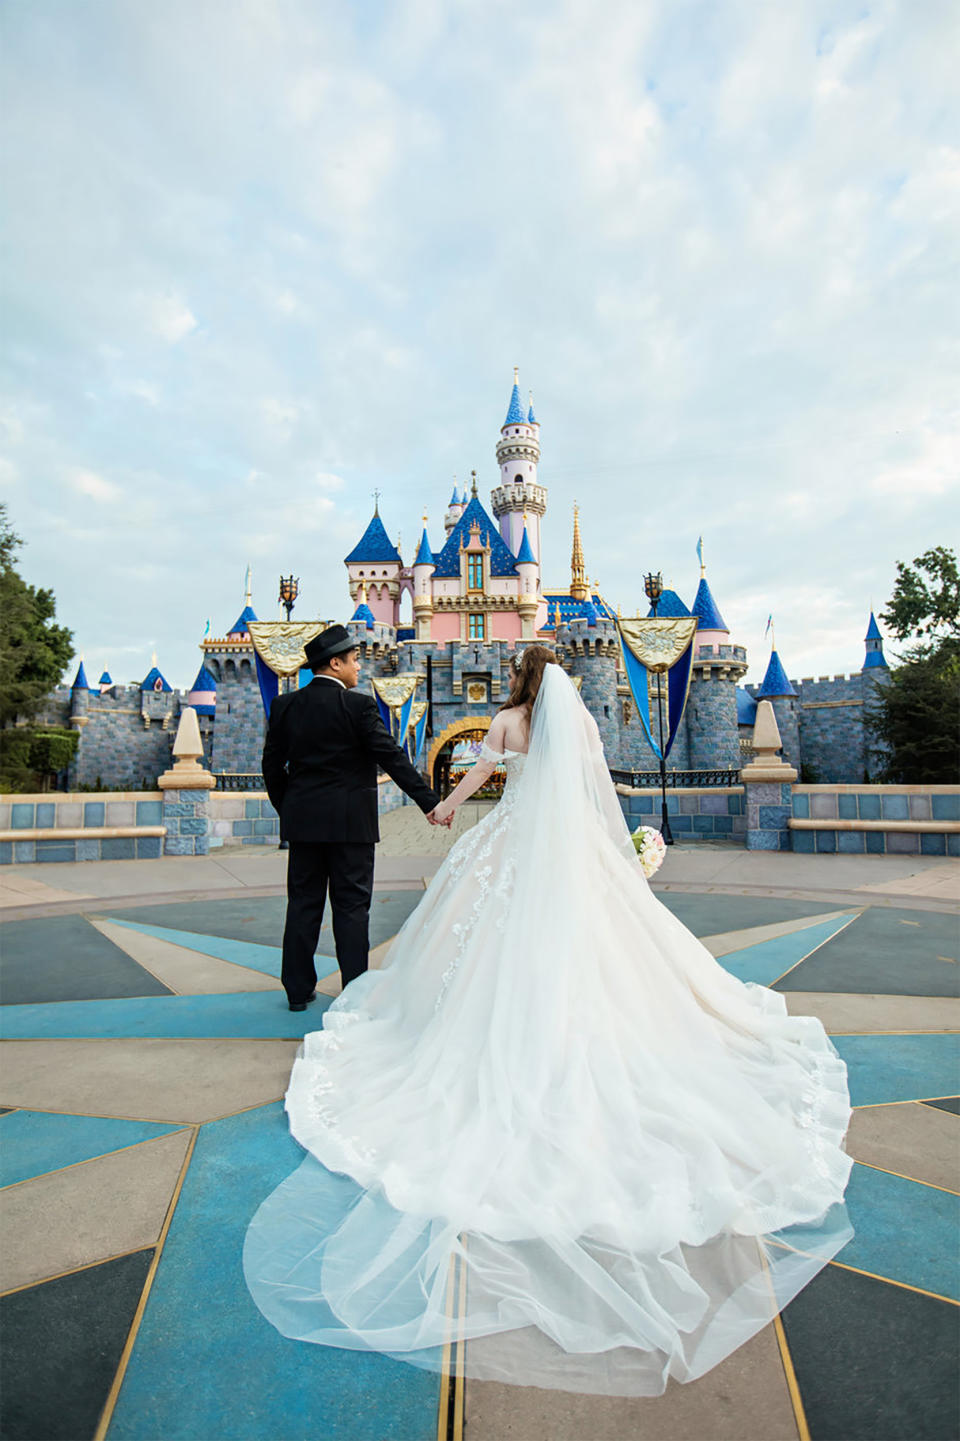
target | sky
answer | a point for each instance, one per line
(263, 257)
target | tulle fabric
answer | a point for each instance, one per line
(553, 1126)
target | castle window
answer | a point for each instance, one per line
(477, 630)
(475, 572)
(518, 480)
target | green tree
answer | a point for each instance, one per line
(33, 649)
(916, 714)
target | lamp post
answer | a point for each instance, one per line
(289, 590)
(653, 589)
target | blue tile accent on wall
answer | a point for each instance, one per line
(46, 814)
(953, 845)
(876, 843)
(149, 848)
(945, 808)
(772, 817)
(251, 809)
(895, 808)
(931, 845)
(847, 807)
(6, 853)
(680, 824)
(723, 825)
(703, 823)
(869, 807)
(243, 828)
(850, 843)
(801, 807)
(265, 828)
(194, 826)
(735, 804)
(763, 841)
(149, 813)
(118, 848)
(24, 851)
(93, 813)
(56, 851)
(826, 842)
(21, 816)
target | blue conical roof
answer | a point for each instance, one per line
(873, 630)
(105, 679)
(516, 415)
(531, 418)
(590, 612)
(81, 681)
(150, 680)
(455, 498)
(241, 624)
(374, 545)
(669, 605)
(775, 681)
(424, 554)
(205, 681)
(364, 613)
(705, 608)
(525, 555)
(873, 660)
(746, 707)
(501, 559)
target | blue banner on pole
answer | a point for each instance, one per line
(269, 683)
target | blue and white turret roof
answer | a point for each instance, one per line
(241, 625)
(775, 681)
(80, 683)
(105, 679)
(154, 680)
(589, 611)
(874, 658)
(705, 609)
(517, 414)
(669, 605)
(572, 609)
(424, 554)
(525, 555)
(374, 545)
(531, 418)
(501, 560)
(455, 498)
(873, 630)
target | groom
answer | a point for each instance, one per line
(324, 743)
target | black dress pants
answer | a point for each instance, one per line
(347, 868)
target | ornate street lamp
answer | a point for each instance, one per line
(289, 590)
(653, 589)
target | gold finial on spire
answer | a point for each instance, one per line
(247, 600)
(473, 486)
(516, 375)
(578, 570)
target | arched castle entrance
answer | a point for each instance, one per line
(440, 756)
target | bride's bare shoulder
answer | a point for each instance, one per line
(510, 730)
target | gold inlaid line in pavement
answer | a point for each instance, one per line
(74, 1270)
(904, 1177)
(790, 1376)
(443, 1406)
(127, 1352)
(889, 1281)
(813, 950)
(100, 1156)
(911, 1101)
(451, 1400)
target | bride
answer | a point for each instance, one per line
(552, 1126)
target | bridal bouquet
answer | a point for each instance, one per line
(651, 849)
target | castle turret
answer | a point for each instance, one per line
(456, 507)
(363, 612)
(713, 735)
(376, 562)
(590, 648)
(528, 570)
(873, 640)
(79, 698)
(423, 568)
(519, 492)
(776, 688)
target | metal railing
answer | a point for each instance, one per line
(239, 781)
(676, 780)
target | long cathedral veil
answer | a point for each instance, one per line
(553, 1128)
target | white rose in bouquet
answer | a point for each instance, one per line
(650, 848)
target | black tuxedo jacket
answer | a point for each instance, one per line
(320, 760)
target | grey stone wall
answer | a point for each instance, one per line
(127, 741)
(711, 725)
(240, 721)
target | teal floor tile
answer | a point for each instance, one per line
(207, 1364)
(260, 1014)
(34, 1142)
(903, 1230)
(242, 953)
(900, 1068)
(765, 962)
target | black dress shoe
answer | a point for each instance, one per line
(302, 1005)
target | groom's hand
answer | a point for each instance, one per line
(437, 820)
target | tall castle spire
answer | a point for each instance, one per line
(519, 491)
(579, 587)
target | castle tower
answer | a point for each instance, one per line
(376, 562)
(456, 507)
(873, 640)
(529, 571)
(713, 736)
(423, 568)
(776, 688)
(363, 612)
(239, 719)
(589, 647)
(518, 456)
(79, 698)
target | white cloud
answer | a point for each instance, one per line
(94, 487)
(169, 317)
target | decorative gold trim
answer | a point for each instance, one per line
(455, 728)
(790, 1376)
(280, 643)
(814, 949)
(102, 1155)
(75, 1270)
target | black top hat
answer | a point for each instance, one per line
(330, 642)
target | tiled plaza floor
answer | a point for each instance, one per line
(148, 1047)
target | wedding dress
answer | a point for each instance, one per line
(627, 1159)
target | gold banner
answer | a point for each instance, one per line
(280, 643)
(393, 690)
(658, 643)
(416, 713)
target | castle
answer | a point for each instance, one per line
(470, 603)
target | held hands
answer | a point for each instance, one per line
(440, 816)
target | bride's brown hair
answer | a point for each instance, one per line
(528, 668)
